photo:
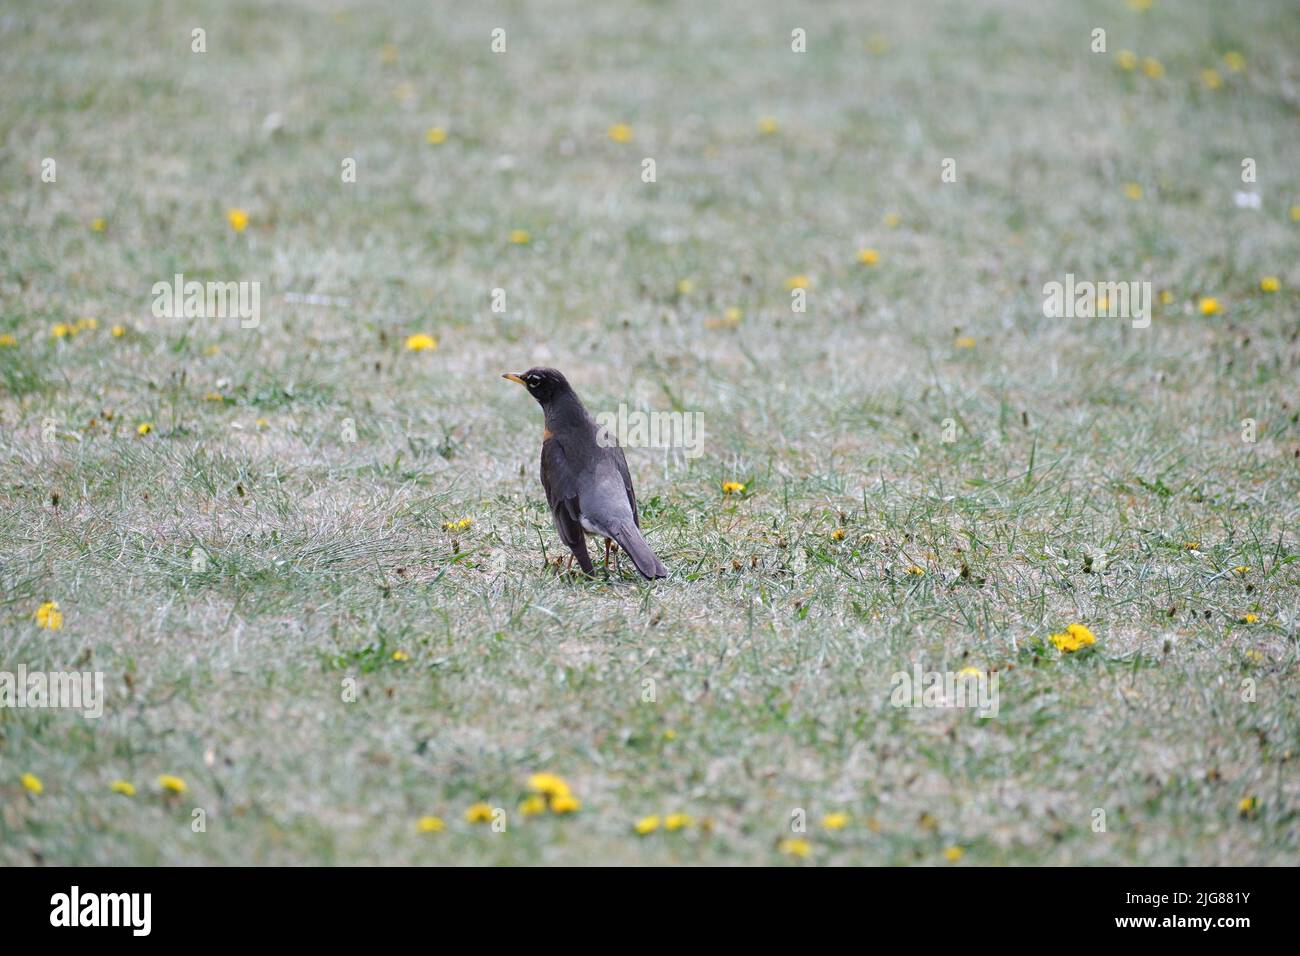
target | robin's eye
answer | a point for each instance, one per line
(534, 379)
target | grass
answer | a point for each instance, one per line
(1097, 473)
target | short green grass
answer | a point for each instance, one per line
(1089, 457)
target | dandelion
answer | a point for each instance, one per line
(1141, 6)
(1270, 284)
(1210, 79)
(795, 846)
(1166, 297)
(520, 237)
(837, 534)
(533, 806)
(87, 323)
(963, 342)
(213, 397)
(835, 821)
(620, 133)
(238, 219)
(117, 331)
(1210, 306)
(678, 821)
(401, 656)
(172, 784)
(211, 350)
(262, 423)
(479, 813)
(685, 286)
(1240, 569)
(32, 783)
(1295, 213)
(123, 787)
(670, 734)
(647, 825)
(1133, 191)
(1153, 68)
(969, 672)
(767, 126)
(1249, 618)
(435, 135)
(49, 616)
(892, 220)
(733, 316)
(732, 487)
(62, 330)
(916, 570)
(953, 854)
(1076, 637)
(797, 282)
(548, 784)
(1126, 60)
(1245, 806)
(144, 428)
(420, 342)
(1234, 61)
(98, 225)
(430, 825)
(7, 341)
(565, 804)
(462, 525)
(868, 257)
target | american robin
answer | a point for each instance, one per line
(585, 476)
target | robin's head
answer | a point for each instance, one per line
(543, 384)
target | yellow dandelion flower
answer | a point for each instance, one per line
(520, 237)
(647, 825)
(430, 825)
(548, 784)
(1245, 806)
(835, 821)
(211, 350)
(98, 225)
(768, 125)
(892, 220)
(1295, 213)
(420, 342)
(172, 784)
(837, 534)
(1153, 68)
(678, 821)
(1126, 60)
(479, 813)
(86, 323)
(797, 282)
(144, 428)
(62, 330)
(565, 804)
(953, 854)
(1076, 637)
(1210, 79)
(1141, 6)
(1133, 191)
(435, 135)
(795, 846)
(733, 316)
(1240, 570)
(1234, 61)
(685, 286)
(49, 616)
(533, 806)
(868, 257)
(915, 569)
(963, 342)
(620, 133)
(123, 787)
(1210, 306)
(732, 487)
(1249, 618)
(401, 656)
(32, 783)
(969, 672)
(262, 423)
(7, 341)
(670, 734)
(238, 219)
(117, 331)
(1166, 297)
(1270, 284)
(213, 397)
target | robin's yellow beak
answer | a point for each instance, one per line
(515, 378)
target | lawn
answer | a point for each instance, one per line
(311, 560)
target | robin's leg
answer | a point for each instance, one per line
(616, 550)
(607, 543)
(569, 567)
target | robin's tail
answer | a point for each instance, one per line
(647, 562)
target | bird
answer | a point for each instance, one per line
(585, 476)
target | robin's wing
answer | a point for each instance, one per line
(561, 484)
(621, 461)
